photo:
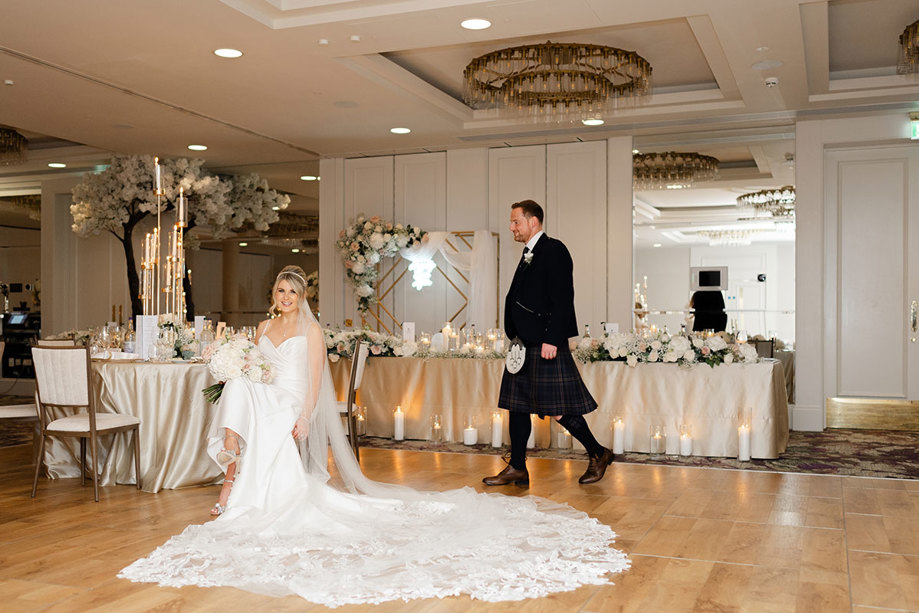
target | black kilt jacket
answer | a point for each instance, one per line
(539, 308)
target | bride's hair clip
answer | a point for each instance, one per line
(290, 272)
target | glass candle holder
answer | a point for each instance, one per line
(497, 428)
(437, 428)
(563, 439)
(685, 440)
(470, 431)
(361, 419)
(657, 442)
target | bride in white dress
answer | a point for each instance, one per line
(284, 529)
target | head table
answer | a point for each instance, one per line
(707, 399)
(175, 417)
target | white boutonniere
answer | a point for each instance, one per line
(527, 258)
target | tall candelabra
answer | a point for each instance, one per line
(156, 280)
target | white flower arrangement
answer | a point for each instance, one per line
(682, 349)
(184, 336)
(232, 357)
(363, 244)
(633, 349)
(340, 344)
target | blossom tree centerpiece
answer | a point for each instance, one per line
(117, 199)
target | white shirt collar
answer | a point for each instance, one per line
(532, 242)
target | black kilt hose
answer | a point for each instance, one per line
(539, 308)
(546, 387)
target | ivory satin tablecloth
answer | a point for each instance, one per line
(709, 399)
(174, 418)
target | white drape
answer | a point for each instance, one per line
(478, 265)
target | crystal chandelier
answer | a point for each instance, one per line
(774, 202)
(556, 81)
(12, 147)
(909, 50)
(727, 238)
(671, 170)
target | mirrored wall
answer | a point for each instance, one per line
(685, 224)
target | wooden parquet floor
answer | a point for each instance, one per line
(699, 539)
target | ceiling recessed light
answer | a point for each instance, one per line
(323, 41)
(243, 244)
(635, 151)
(228, 53)
(593, 122)
(762, 49)
(295, 250)
(8, 82)
(399, 130)
(275, 208)
(475, 24)
(656, 245)
(198, 147)
(57, 165)
(355, 38)
(309, 178)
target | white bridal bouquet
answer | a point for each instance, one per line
(232, 357)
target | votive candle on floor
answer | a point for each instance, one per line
(398, 424)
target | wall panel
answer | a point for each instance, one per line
(576, 214)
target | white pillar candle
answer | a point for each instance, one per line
(618, 436)
(398, 424)
(743, 443)
(158, 185)
(446, 331)
(497, 429)
(685, 444)
(563, 440)
(470, 436)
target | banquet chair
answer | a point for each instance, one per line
(358, 359)
(63, 380)
(55, 343)
(765, 348)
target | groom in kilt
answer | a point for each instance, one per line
(539, 311)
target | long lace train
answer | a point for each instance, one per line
(491, 547)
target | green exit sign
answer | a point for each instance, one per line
(914, 130)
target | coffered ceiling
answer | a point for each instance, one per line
(331, 77)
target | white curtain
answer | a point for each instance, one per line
(479, 265)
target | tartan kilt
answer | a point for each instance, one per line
(546, 387)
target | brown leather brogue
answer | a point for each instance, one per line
(509, 475)
(597, 467)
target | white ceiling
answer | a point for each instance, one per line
(138, 76)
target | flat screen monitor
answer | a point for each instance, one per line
(17, 319)
(703, 278)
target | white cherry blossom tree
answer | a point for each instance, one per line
(121, 196)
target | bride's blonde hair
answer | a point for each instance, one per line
(296, 277)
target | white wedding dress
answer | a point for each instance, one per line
(287, 531)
